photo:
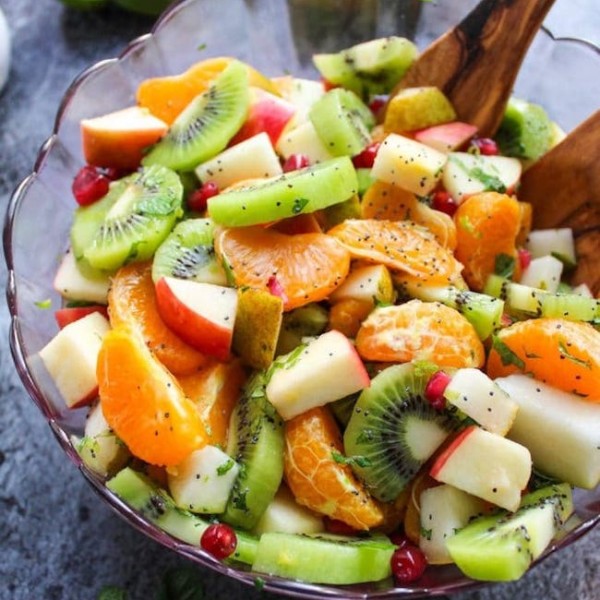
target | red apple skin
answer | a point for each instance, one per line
(65, 316)
(87, 399)
(200, 333)
(443, 457)
(446, 137)
(267, 113)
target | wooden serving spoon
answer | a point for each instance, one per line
(476, 63)
(564, 188)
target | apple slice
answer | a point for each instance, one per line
(543, 273)
(485, 465)
(72, 284)
(70, 358)
(70, 314)
(408, 164)
(371, 284)
(326, 369)
(447, 137)
(301, 93)
(466, 174)
(303, 140)
(201, 314)
(118, 139)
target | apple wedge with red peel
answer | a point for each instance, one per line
(447, 137)
(326, 369)
(70, 314)
(485, 465)
(72, 284)
(201, 314)
(118, 139)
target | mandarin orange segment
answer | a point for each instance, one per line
(143, 403)
(487, 226)
(564, 354)
(420, 331)
(400, 246)
(132, 301)
(317, 480)
(215, 390)
(385, 201)
(306, 267)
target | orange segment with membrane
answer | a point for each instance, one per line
(132, 301)
(306, 266)
(317, 480)
(400, 246)
(420, 331)
(487, 226)
(385, 201)
(143, 403)
(564, 354)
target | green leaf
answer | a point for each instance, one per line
(112, 592)
(504, 265)
(507, 356)
(225, 467)
(182, 583)
(578, 361)
(360, 461)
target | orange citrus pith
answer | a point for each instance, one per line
(564, 354)
(420, 331)
(132, 301)
(317, 480)
(143, 403)
(307, 267)
(487, 226)
(399, 245)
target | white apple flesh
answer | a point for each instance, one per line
(303, 140)
(72, 284)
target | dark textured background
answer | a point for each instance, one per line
(57, 540)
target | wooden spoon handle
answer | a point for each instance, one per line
(476, 63)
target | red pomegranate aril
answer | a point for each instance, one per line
(198, 199)
(219, 540)
(444, 202)
(89, 185)
(399, 539)
(524, 258)
(408, 563)
(366, 158)
(486, 146)
(378, 103)
(113, 173)
(276, 289)
(338, 527)
(434, 390)
(295, 162)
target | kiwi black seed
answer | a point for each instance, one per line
(394, 430)
(207, 124)
(130, 222)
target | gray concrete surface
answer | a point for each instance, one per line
(57, 541)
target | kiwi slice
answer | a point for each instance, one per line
(188, 253)
(342, 122)
(207, 124)
(305, 321)
(301, 191)
(130, 222)
(256, 444)
(393, 430)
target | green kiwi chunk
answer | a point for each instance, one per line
(394, 430)
(501, 547)
(207, 124)
(342, 122)
(256, 444)
(130, 222)
(335, 560)
(301, 191)
(188, 253)
(306, 321)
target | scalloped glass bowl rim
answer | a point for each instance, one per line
(272, 584)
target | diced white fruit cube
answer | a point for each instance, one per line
(485, 465)
(543, 273)
(203, 482)
(302, 93)
(561, 430)
(250, 159)
(369, 284)
(72, 284)
(444, 510)
(303, 140)
(70, 358)
(477, 396)
(408, 164)
(328, 368)
(446, 137)
(583, 290)
(557, 242)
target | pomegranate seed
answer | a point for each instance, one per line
(219, 540)
(486, 146)
(524, 257)
(366, 158)
(198, 199)
(295, 162)
(434, 390)
(444, 202)
(113, 173)
(276, 288)
(377, 104)
(338, 527)
(505, 320)
(408, 563)
(89, 185)
(399, 539)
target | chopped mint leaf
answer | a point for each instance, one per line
(507, 356)
(111, 592)
(361, 461)
(79, 304)
(259, 583)
(504, 265)
(183, 583)
(201, 47)
(578, 361)
(299, 204)
(426, 533)
(491, 182)
(225, 467)
(44, 304)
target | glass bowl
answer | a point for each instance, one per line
(276, 37)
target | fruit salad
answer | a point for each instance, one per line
(310, 324)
